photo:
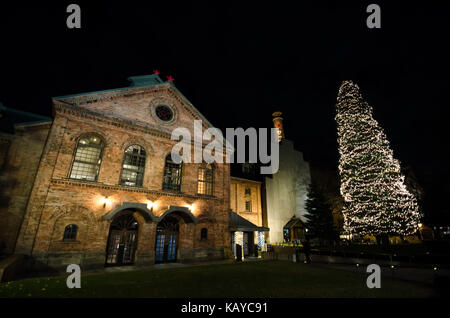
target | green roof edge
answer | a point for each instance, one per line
(20, 112)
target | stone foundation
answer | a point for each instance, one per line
(200, 254)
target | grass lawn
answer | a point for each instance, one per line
(249, 279)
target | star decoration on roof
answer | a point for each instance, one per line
(156, 72)
(170, 78)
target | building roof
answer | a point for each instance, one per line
(137, 81)
(10, 117)
(238, 223)
(293, 222)
(246, 171)
(245, 180)
(143, 81)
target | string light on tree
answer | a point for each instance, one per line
(376, 200)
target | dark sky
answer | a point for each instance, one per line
(238, 63)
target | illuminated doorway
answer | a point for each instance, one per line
(167, 233)
(122, 240)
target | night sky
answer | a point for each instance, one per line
(239, 63)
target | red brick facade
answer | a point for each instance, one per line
(20, 158)
(120, 118)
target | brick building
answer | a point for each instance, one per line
(98, 187)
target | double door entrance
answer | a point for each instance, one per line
(167, 233)
(247, 248)
(248, 242)
(122, 241)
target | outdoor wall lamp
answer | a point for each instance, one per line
(151, 205)
(105, 200)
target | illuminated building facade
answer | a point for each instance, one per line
(102, 189)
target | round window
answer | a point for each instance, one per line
(164, 113)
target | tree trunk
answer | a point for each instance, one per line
(378, 237)
(383, 240)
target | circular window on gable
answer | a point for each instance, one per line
(164, 113)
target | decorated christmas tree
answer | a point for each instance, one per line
(376, 200)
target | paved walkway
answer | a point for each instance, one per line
(418, 275)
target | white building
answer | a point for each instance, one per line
(286, 190)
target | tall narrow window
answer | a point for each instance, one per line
(172, 175)
(205, 179)
(70, 232)
(88, 157)
(248, 206)
(204, 234)
(133, 166)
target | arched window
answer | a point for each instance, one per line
(70, 232)
(88, 157)
(204, 234)
(172, 175)
(133, 166)
(205, 179)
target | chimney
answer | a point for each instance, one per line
(278, 124)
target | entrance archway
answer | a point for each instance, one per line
(167, 234)
(122, 240)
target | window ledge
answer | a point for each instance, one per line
(130, 186)
(97, 184)
(172, 191)
(70, 242)
(205, 195)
